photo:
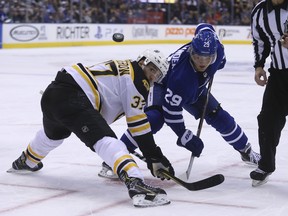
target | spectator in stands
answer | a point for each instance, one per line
(37, 12)
(126, 11)
(191, 18)
(245, 13)
(175, 21)
(48, 17)
(3, 16)
(98, 15)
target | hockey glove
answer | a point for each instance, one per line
(191, 142)
(159, 161)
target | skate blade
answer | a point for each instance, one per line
(12, 170)
(141, 202)
(251, 164)
(108, 174)
(257, 183)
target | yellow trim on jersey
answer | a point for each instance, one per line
(140, 128)
(136, 118)
(138, 125)
(89, 82)
(131, 71)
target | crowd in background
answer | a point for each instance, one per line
(216, 12)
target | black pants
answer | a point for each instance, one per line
(66, 109)
(272, 117)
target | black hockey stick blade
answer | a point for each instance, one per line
(198, 185)
(194, 186)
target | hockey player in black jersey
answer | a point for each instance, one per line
(85, 101)
(192, 66)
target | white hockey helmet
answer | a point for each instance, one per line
(158, 59)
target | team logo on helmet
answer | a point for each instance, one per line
(204, 43)
(146, 84)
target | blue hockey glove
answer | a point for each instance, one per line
(191, 142)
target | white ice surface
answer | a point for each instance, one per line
(68, 184)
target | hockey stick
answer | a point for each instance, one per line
(188, 171)
(192, 186)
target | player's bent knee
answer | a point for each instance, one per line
(221, 120)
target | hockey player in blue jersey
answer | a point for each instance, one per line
(192, 66)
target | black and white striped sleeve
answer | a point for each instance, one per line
(267, 26)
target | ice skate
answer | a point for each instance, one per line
(20, 166)
(259, 177)
(107, 172)
(142, 194)
(249, 156)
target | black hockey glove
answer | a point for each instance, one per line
(191, 142)
(159, 161)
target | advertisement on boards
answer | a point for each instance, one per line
(51, 35)
(16, 35)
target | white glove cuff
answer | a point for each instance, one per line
(186, 137)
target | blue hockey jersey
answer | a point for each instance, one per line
(184, 84)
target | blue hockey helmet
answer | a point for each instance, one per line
(203, 26)
(204, 43)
